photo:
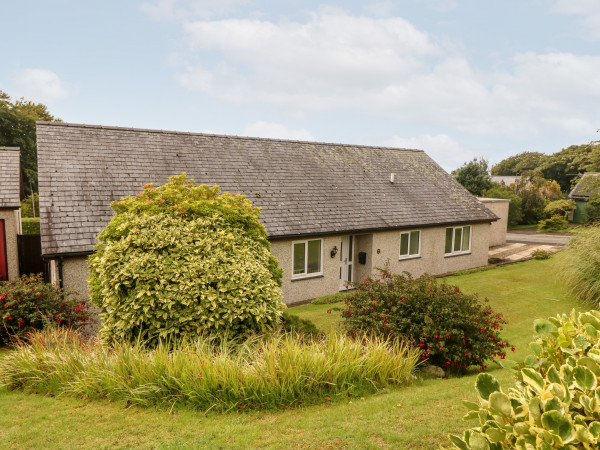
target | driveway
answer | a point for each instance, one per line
(530, 236)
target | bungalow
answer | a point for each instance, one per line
(10, 212)
(588, 184)
(334, 213)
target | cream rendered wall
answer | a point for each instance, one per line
(432, 259)
(12, 225)
(75, 275)
(498, 206)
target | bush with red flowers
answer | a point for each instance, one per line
(29, 304)
(454, 330)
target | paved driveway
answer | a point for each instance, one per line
(538, 238)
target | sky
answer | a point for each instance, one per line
(457, 78)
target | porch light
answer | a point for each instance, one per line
(334, 251)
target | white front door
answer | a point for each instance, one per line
(346, 262)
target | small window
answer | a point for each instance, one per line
(306, 258)
(458, 240)
(410, 244)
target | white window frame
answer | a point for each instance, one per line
(462, 234)
(408, 255)
(305, 274)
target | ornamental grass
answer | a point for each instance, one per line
(268, 372)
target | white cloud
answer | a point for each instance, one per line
(188, 9)
(441, 148)
(588, 9)
(41, 85)
(387, 67)
(276, 131)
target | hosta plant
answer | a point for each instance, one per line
(180, 260)
(556, 400)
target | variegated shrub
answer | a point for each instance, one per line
(556, 400)
(181, 259)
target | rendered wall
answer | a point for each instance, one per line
(12, 223)
(498, 206)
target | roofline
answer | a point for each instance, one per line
(14, 149)
(301, 235)
(8, 208)
(224, 136)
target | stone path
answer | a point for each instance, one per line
(519, 251)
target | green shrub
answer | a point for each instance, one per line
(581, 265)
(28, 204)
(269, 371)
(556, 400)
(184, 259)
(331, 298)
(555, 223)
(592, 210)
(541, 254)
(559, 208)
(453, 329)
(29, 304)
(292, 323)
(30, 225)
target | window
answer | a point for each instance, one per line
(307, 258)
(458, 240)
(410, 244)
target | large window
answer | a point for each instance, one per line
(410, 244)
(307, 258)
(458, 240)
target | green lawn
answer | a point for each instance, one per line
(419, 416)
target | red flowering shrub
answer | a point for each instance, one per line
(29, 304)
(454, 330)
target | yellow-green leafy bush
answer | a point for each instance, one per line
(556, 400)
(182, 259)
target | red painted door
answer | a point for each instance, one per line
(3, 258)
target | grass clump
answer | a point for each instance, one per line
(270, 372)
(541, 254)
(581, 265)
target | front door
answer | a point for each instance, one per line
(3, 256)
(346, 262)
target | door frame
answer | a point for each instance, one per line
(3, 251)
(347, 250)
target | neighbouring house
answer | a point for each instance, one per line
(588, 184)
(505, 180)
(334, 213)
(498, 206)
(10, 212)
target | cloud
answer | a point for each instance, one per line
(386, 67)
(276, 131)
(588, 9)
(441, 148)
(40, 85)
(185, 10)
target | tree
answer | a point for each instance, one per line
(181, 260)
(474, 176)
(517, 164)
(17, 129)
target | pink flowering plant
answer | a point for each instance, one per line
(28, 304)
(454, 330)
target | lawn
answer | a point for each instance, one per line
(419, 416)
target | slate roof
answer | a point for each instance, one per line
(584, 188)
(10, 169)
(303, 188)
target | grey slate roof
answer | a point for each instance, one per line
(584, 188)
(10, 169)
(303, 188)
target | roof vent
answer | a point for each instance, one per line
(392, 177)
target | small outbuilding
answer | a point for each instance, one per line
(10, 212)
(334, 213)
(588, 185)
